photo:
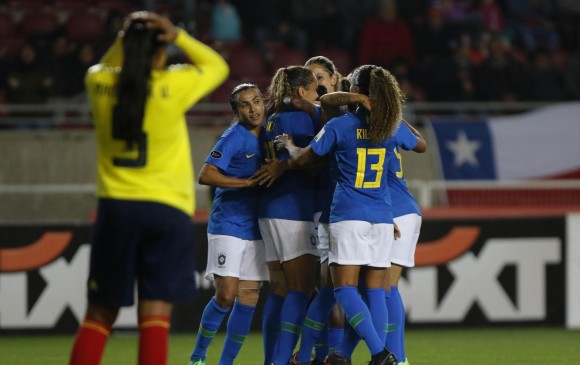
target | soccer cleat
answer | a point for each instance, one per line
(293, 361)
(196, 362)
(384, 357)
(337, 359)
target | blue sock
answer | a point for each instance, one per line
(211, 319)
(237, 331)
(321, 349)
(291, 319)
(394, 335)
(378, 310)
(402, 306)
(315, 321)
(335, 337)
(271, 326)
(349, 342)
(359, 317)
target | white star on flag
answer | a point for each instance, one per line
(464, 150)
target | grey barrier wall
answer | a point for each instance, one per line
(54, 156)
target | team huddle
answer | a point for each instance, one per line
(312, 180)
(310, 197)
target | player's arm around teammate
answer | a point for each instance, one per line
(285, 218)
(236, 256)
(361, 224)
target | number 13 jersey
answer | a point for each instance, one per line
(361, 190)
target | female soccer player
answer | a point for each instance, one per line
(285, 218)
(143, 230)
(361, 223)
(236, 259)
(407, 217)
(318, 330)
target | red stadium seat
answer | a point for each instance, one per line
(262, 82)
(559, 59)
(84, 26)
(287, 57)
(7, 26)
(10, 47)
(39, 21)
(122, 6)
(247, 63)
(25, 5)
(71, 5)
(222, 93)
(228, 48)
(340, 58)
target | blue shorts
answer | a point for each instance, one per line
(147, 242)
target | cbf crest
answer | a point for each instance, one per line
(221, 259)
(313, 240)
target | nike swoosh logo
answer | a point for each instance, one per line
(250, 156)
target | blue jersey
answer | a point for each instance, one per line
(238, 153)
(402, 200)
(325, 183)
(361, 191)
(292, 195)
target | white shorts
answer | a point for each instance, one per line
(323, 240)
(403, 252)
(235, 257)
(287, 239)
(361, 243)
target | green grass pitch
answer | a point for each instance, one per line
(513, 346)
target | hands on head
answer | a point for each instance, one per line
(168, 32)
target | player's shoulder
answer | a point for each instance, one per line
(343, 121)
(231, 131)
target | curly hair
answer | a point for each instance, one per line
(386, 98)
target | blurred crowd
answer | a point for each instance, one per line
(440, 50)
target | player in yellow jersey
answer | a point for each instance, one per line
(143, 230)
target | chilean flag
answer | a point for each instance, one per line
(540, 144)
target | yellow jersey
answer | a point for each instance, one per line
(159, 168)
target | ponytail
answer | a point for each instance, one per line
(139, 46)
(285, 83)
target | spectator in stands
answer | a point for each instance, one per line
(541, 81)
(491, 17)
(451, 79)
(225, 22)
(498, 78)
(29, 82)
(279, 27)
(113, 24)
(434, 38)
(384, 37)
(532, 28)
(572, 74)
(57, 63)
(352, 16)
(84, 57)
